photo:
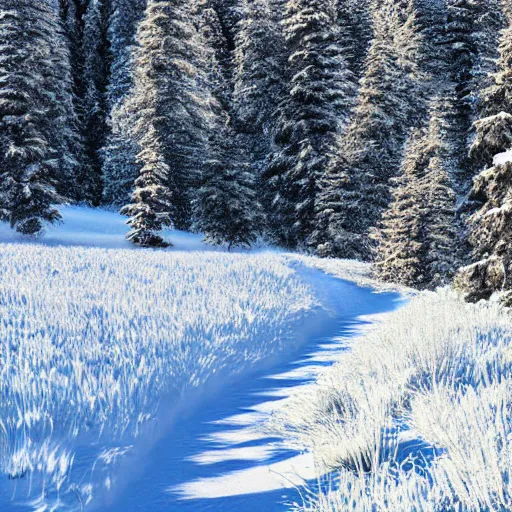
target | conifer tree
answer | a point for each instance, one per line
(416, 242)
(355, 188)
(64, 123)
(34, 112)
(491, 237)
(259, 63)
(356, 32)
(471, 33)
(319, 98)
(490, 232)
(93, 102)
(494, 128)
(153, 205)
(172, 110)
(400, 251)
(259, 84)
(86, 23)
(226, 207)
(119, 166)
(219, 61)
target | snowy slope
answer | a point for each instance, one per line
(95, 228)
(98, 335)
(417, 416)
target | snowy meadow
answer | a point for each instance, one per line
(416, 416)
(94, 339)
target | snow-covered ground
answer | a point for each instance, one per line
(105, 348)
(417, 416)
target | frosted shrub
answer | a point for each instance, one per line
(417, 415)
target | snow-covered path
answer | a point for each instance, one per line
(233, 333)
(218, 458)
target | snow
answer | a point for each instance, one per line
(225, 458)
(107, 349)
(416, 416)
(503, 158)
(89, 227)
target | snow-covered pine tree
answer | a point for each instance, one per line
(491, 237)
(171, 106)
(65, 126)
(153, 205)
(94, 109)
(259, 63)
(86, 25)
(319, 99)
(400, 251)
(490, 226)
(431, 20)
(229, 15)
(471, 34)
(355, 189)
(416, 241)
(259, 83)
(33, 114)
(219, 64)
(226, 207)
(494, 128)
(491, 20)
(119, 166)
(356, 33)
(443, 241)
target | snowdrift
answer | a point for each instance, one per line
(417, 416)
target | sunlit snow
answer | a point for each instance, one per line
(160, 366)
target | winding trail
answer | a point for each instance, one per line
(217, 458)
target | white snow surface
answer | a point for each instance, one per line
(106, 348)
(503, 158)
(416, 416)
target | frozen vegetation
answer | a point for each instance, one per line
(416, 416)
(99, 338)
(93, 339)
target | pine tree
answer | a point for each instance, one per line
(227, 211)
(64, 120)
(491, 237)
(356, 32)
(33, 114)
(319, 98)
(94, 109)
(259, 84)
(472, 31)
(490, 232)
(355, 189)
(416, 242)
(259, 63)
(229, 15)
(400, 251)
(433, 54)
(171, 107)
(494, 128)
(86, 28)
(119, 166)
(152, 206)
(219, 66)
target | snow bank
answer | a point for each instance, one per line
(88, 227)
(417, 416)
(503, 158)
(93, 339)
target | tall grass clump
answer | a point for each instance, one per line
(417, 416)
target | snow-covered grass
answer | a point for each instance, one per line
(92, 340)
(416, 416)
